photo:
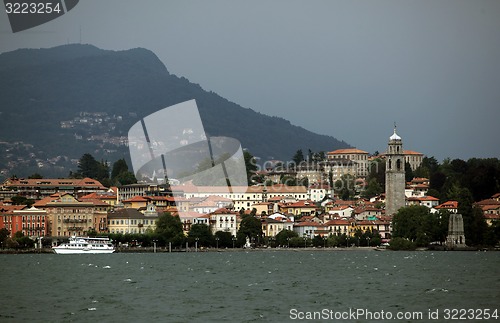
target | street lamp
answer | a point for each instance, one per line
(358, 242)
(324, 242)
(196, 244)
(217, 242)
(368, 238)
(305, 240)
(154, 245)
(347, 242)
(271, 241)
(288, 242)
(234, 239)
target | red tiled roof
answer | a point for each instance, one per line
(347, 151)
(423, 198)
(136, 198)
(488, 202)
(337, 222)
(448, 205)
(411, 152)
(10, 208)
(309, 224)
(223, 211)
(79, 182)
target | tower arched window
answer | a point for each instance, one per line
(390, 164)
(398, 164)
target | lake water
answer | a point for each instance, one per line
(267, 286)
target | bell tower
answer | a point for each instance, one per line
(394, 175)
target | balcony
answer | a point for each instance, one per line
(76, 220)
(75, 228)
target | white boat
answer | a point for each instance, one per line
(79, 245)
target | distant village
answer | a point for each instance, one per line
(68, 207)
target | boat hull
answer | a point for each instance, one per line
(69, 251)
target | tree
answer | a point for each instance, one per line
(372, 189)
(119, 167)
(475, 227)
(406, 223)
(344, 187)
(225, 239)
(282, 238)
(35, 176)
(120, 175)
(169, 229)
(200, 233)
(408, 172)
(4, 234)
(21, 200)
(250, 165)
(399, 243)
(250, 227)
(87, 166)
(298, 157)
(418, 225)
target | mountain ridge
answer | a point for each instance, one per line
(61, 83)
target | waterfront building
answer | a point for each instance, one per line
(130, 220)
(276, 223)
(224, 220)
(69, 216)
(32, 222)
(310, 229)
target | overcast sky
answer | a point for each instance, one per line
(349, 68)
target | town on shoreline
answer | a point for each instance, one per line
(330, 200)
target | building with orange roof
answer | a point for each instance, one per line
(360, 157)
(32, 222)
(40, 188)
(224, 220)
(428, 201)
(451, 206)
(299, 208)
(69, 216)
(413, 158)
(108, 197)
(129, 220)
(273, 225)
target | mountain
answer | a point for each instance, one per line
(59, 103)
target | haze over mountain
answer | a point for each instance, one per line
(73, 99)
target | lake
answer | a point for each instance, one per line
(253, 286)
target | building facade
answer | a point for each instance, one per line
(359, 157)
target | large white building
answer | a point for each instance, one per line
(360, 157)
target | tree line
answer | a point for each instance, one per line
(119, 175)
